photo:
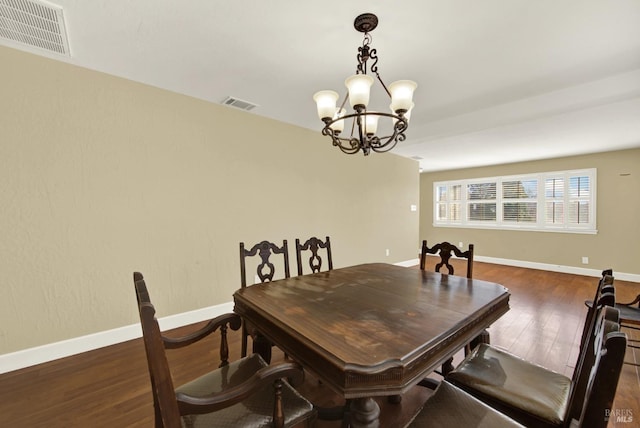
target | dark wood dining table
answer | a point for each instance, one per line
(374, 329)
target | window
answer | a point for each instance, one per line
(520, 201)
(482, 201)
(554, 197)
(448, 203)
(579, 198)
(561, 201)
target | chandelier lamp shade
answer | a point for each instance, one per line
(362, 120)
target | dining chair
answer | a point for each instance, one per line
(629, 318)
(453, 405)
(558, 385)
(536, 396)
(605, 294)
(265, 271)
(445, 251)
(314, 245)
(242, 393)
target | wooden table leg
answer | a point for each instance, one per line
(364, 413)
(263, 347)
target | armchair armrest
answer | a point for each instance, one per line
(222, 321)
(636, 300)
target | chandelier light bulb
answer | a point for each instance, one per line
(371, 124)
(326, 103)
(359, 86)
(402, 95)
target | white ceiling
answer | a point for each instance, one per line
(499, 80)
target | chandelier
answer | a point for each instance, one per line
(364, 122)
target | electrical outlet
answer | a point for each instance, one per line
(414, 208)
(387, 252)
(585, 260)
(460, 244)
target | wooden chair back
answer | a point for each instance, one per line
(608, 356)
(167, 414)
(266, 269)
(604, 295)
(446, 250)
(629, 317)
(605, 301)
(315, 261)
(605, 315)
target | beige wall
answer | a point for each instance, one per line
(102, 176)
(618, 201)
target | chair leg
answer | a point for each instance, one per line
(263, 347)
(245, 335)
(447, 367)
(483, 337)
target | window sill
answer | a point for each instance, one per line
(517, 229)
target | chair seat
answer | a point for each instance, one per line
(523, 390)
(629, 314)
(452, 407)
(255, 411)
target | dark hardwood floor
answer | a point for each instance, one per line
(109, 387)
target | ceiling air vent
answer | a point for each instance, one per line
(34, 24)
(237, 103)
(416, 158)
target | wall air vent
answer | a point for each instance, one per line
(33, 23)
(237, 103)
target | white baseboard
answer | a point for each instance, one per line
(633, 277)
(558, 268)
(53, 351)
(408, 263)
(65, 348)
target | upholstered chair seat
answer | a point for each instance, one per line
(254, 411)
(451, 407)
(537, 392)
